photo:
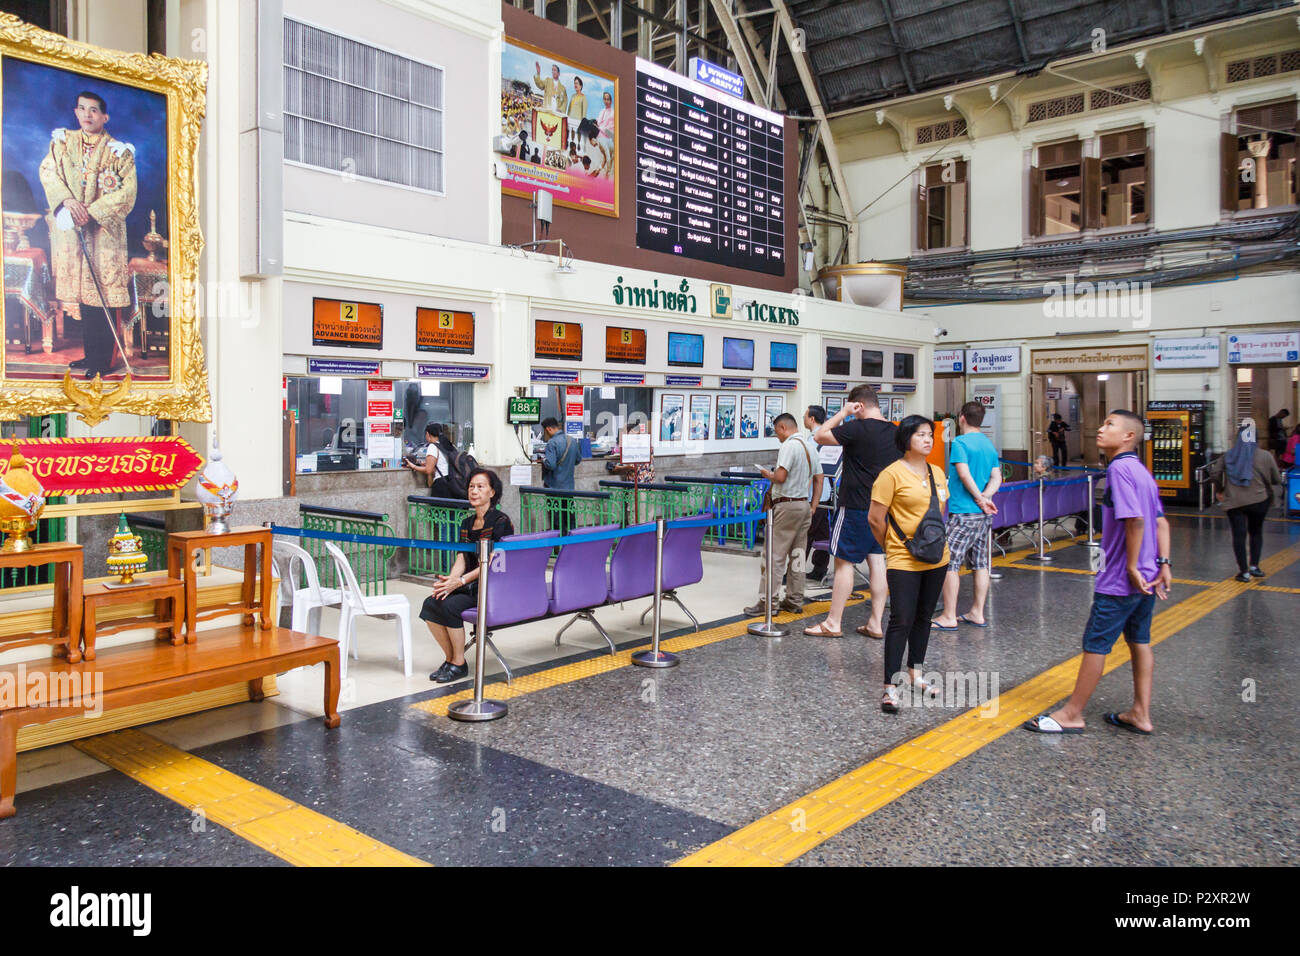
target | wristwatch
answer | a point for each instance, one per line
(1160, 561)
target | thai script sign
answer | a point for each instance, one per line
(102, 466)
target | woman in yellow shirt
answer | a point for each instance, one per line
(902, 492)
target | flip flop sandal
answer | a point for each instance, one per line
(939, 627)
(965, 620)
(865, 632)
(1046, 724)
(1115, 721)
(821, 631)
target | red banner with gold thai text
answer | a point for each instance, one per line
(102, 466)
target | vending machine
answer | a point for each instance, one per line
(1178, 446)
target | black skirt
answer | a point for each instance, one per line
(447, 611)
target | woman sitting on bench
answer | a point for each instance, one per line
(457, 591)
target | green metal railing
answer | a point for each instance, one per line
(548, 509)
(369, 561)
(637, 503)
(433, 519)
(726, 498)
(153, 539)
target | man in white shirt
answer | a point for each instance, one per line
(791, 482)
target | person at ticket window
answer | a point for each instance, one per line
(641, 473)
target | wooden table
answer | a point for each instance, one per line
(67, 560)
(162, 590)
(181, 548)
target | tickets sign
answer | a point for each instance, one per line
(357, 325)
(103, 466)
(441, 330)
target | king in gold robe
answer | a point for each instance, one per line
(98, 171)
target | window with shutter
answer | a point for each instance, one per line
(1259, 161)
(1124, 194)
(1060, 189)
(941, 221)
(361, 110)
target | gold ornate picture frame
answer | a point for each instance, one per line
(101, 230)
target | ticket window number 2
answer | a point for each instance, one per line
(348, 311)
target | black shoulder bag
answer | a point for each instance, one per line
(930, 538)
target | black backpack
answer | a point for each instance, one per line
(458, 471)
(930, 538)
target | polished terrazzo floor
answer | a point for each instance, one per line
(639, 767)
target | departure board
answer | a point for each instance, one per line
(710, 174)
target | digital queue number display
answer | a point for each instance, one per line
(710, 174)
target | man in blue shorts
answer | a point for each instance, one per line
(868, 442)
(1135, 571)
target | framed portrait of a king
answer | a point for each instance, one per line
(101, 234)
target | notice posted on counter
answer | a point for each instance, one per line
(521, 475)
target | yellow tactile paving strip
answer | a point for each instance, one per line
(278, 825)
(1048, 567)
(793, 830)
(568, 673)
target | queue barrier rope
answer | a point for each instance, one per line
(1030, 465)
(557, 541)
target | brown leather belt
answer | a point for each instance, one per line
(777, 501)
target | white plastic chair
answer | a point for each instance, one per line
(306, 602)
(356, 604)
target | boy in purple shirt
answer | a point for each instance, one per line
(1135, 572)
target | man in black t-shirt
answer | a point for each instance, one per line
(868, 442)
(1056, 435)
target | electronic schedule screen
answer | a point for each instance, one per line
(710, 174)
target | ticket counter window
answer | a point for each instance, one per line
(603, 418)
(333, 433)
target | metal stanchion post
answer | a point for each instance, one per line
(1092, 503)
(1042, 555)
(994, 573)
(767, 628)
(655, 657)
(478, 709)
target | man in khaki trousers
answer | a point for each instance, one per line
(791, 516)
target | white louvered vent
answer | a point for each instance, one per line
(359, 110)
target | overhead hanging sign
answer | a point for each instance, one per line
(951, 360)
(993, 361)
(1255, 348)
(441, 330)
(1186, 353)
(710, 74)
(355, 325)
(557, 340)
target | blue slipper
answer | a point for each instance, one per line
(940, 627)
(965, 620)
(1115, 721)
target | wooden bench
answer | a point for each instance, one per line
(148, 671)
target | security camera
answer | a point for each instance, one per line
(939, 332)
